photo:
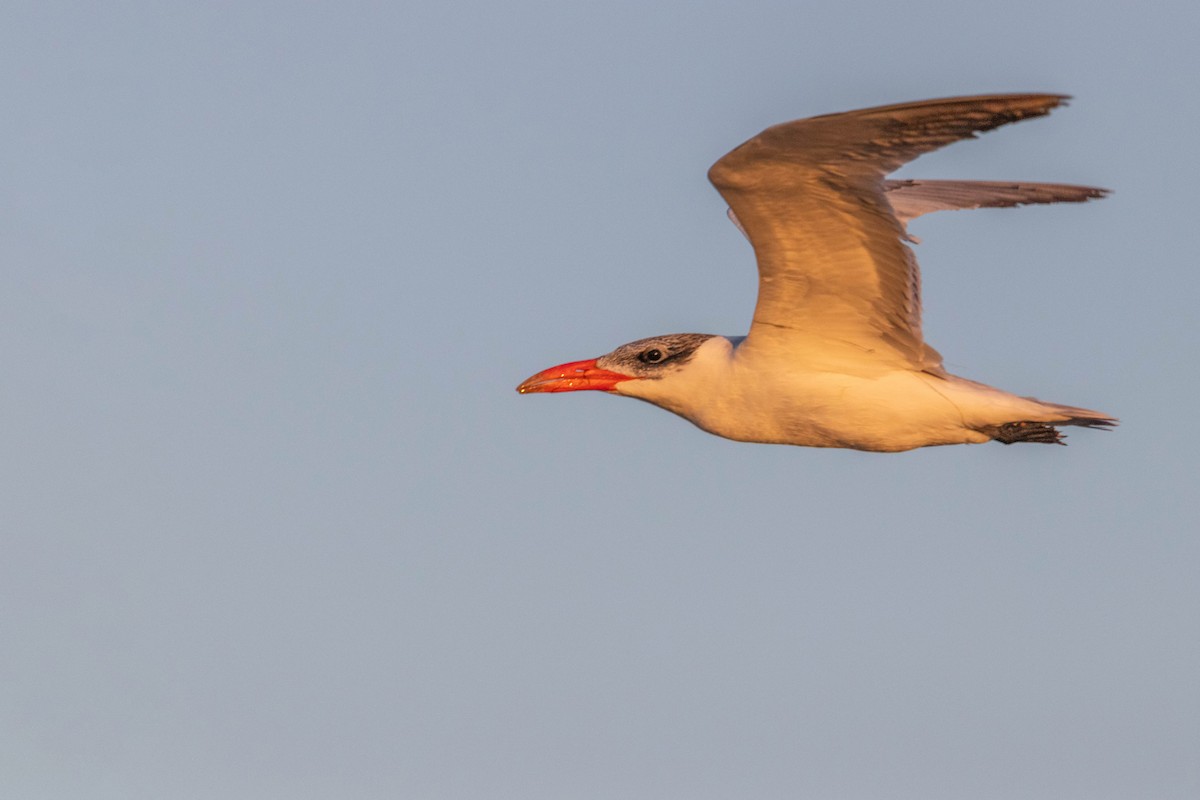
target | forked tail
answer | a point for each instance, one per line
(1083, 417)
(1045, 431)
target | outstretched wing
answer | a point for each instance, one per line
(838, 287)
(914, 197)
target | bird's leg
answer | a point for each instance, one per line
(1039, 432)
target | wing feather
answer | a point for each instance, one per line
(912, 198)
(838, 287)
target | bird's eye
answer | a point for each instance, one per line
(652, 356)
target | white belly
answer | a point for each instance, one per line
(895, 411)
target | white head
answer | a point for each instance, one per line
(668, 371)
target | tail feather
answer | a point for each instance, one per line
(1082, 417)
(1044, 429)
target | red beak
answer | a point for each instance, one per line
(573, 377)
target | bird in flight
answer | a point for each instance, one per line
(835, 356)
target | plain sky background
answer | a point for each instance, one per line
(276, 525)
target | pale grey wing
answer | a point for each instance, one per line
(837, 285)
(912, 198)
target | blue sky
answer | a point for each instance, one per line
(276, 524)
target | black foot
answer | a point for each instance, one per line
(1039, 432)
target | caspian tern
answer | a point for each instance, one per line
(835, 355)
